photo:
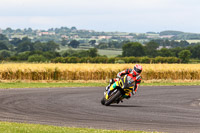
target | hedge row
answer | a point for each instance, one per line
(116, 60)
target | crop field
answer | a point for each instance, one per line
(22, 71)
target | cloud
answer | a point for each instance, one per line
(102, 15)
(69, 7)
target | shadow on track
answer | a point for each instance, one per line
(132, 106)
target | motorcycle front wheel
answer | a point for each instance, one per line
(112, 98)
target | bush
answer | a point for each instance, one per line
(36, 58)
(120, 61)
(85, 60)
(173, 60)
(5, 53)
(111, 60)
(131, 59)
(73, 60)
(58, 60)
(100, 59)
(145, 60)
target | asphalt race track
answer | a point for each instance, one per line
(173, 109)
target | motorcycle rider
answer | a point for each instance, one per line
(134, 75)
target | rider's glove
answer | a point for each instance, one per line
(118, 76)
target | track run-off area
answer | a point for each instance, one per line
(174, 109)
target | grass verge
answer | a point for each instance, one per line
(11, 127)
(48, 85)
(45, 84)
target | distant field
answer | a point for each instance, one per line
(191, 41)
(109, 53)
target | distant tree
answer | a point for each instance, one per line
(39, 46)
(23, 56)
(184, 43)
(102, 46)
(170, 32)
(176, 50)
(92, 42)
(9, 30)
(26, 39)
(74, 43)
(73, 28)
(164, 52)
(132, 34)
(184, 55)
(3, 37)
(80, 53)
(151, 48)
(133, 49)
(3, 45)
(65, 54)
(15, 41)
(114, 44)
(52, 46)
(28, 31)
(174, 44)
(64, 42)
(93, 52)
(5, 54)
(18, 31)
(195, 50)
(141, 36)
(25, 46)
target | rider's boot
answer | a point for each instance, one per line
(127, 95)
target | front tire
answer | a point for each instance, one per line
(103, 101)
(112, 98)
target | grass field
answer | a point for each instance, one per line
(110, 53)
(51, 84)
(11, 127)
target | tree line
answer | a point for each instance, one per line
(150, 49)
(25, 50)
(112, 60)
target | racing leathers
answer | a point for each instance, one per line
(133, 75)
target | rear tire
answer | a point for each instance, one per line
(113, 98)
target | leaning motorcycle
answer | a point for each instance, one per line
(124, 86)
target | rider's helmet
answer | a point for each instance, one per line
(137, 68)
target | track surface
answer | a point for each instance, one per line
(167, 109)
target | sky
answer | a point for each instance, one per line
(137, 16)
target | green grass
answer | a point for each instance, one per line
(171, 84)
(47, 85)
(110, 53)
(98, 84)
(11, 127)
